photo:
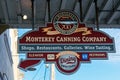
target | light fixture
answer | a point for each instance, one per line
(24, 17)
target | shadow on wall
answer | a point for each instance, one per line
(3, 76)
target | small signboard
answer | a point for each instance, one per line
(65, 42)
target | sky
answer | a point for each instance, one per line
(96, 70)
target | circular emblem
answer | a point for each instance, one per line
(66, 22)
(67, 62)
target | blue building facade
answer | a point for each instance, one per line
(6, 62)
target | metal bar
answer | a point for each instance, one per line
(19, 10)
(0, 21)
(5, 11)
(45, 72)
(81, 12)
(60, 4)
(33, 14)
(96, 11)
(63, 5)
(88, 10)
(74, 5)
(114, 13)
(117, 10)
(49, 19)
(46, 13)
(108, 10)
(29, 26)
(105, 6)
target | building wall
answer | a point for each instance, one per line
(15, 56)
(6, 62)
(9, 57)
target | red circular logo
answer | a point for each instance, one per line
(66, 22)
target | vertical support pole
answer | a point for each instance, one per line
(45, 73)
(48, 1)
(81, 13)
(33, 16)
(52, 68)
(96, 12)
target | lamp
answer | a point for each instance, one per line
(23, 16)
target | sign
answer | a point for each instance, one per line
(65, 42)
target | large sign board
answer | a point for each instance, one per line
(65, 42)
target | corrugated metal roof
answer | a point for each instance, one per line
(10, 11)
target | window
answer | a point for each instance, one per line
(1, 78)
(5, 76)
(8, 48)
